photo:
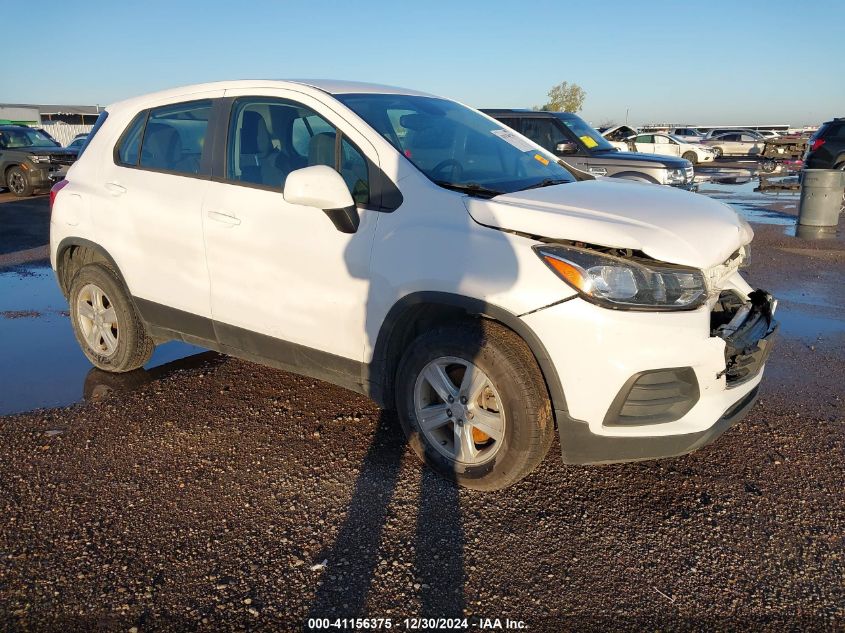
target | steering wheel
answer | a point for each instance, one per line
(443, 164)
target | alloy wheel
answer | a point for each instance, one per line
(97, 320)
(459, 411)
(17, 182)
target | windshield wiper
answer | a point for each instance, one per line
(472, 188)
(548, 182)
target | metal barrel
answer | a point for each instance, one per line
(821, 197)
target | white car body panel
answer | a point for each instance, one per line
(282, 270)
(682, 228)
(668, 146)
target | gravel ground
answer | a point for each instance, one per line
(208, 498)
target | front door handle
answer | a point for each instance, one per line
(224, 218)
(115, 189)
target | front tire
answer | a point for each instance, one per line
(106, 325)
(473, 404)
(18, 182)
(691, 157)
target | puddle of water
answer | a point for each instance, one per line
(801, 324)
(761, 207)
(42, 365)
(805, 232)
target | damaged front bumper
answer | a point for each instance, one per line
(653, 385)
(749, 334)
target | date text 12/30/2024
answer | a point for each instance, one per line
(416, 624)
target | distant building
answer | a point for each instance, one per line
(62, 122)
(31, 114)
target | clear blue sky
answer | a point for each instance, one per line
(711, 61)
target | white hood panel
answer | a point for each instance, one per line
(667, 224)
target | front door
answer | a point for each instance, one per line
(285, 283)
(665, 146)
(645, 143)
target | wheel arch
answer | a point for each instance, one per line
(7, 167)
(637, 176)
(75, 252)
(420, 311)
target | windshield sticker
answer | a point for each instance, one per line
(588, 141)
(514, 139)
(540, 159)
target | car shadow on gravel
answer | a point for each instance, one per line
(355, 554)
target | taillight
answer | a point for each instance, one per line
(816, 144)
(54, 190)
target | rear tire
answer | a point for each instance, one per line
(691, 157)
(504, 393)
(18, 182)
(106, 325)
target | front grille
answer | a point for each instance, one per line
(654, 397)
(689, 172)
(62, 159)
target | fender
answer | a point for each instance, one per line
(69, 242)
(380, 369)
(635, 175)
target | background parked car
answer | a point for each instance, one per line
(31, 161)
(719, 131)
(616, 135)
(78, 142)
(826, 148)
(669, 145)
(686, 134)
(580, 146)
(736, 144)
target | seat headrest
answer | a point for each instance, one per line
(255, 139)
(321, 149)
(162, 146)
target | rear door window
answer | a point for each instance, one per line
(174, 137)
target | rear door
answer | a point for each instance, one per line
(148, 211)
(751, 145)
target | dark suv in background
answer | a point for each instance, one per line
(31, 160)
(579, 145)
(826, 148)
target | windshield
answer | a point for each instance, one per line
(25, 137)
(457, 147)
(586, 134)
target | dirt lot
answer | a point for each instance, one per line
(205, 495)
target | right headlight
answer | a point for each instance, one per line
(675, 176)
(616, 282)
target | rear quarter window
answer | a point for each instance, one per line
(128, 148)
(97, 125)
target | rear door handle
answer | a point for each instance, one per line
(224, 218)
(115, 189)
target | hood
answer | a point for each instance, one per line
(667, 224)
(626, 158)
(38, 151)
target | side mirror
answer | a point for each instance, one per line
(321, 187)
(566, 148)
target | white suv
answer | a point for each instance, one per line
(412, 249)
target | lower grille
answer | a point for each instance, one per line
(654, 397)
